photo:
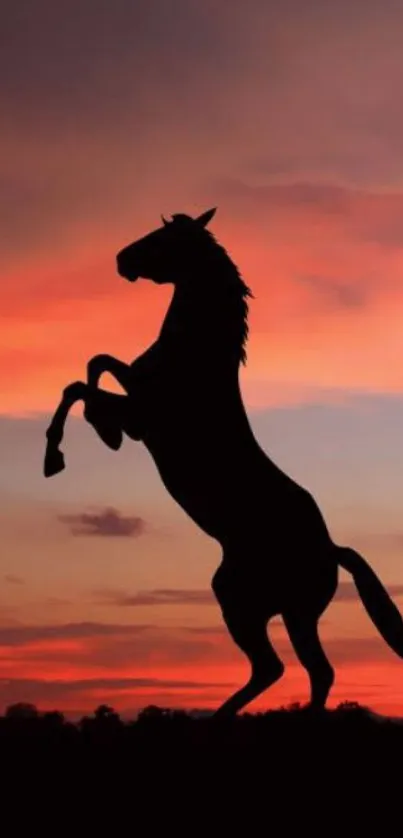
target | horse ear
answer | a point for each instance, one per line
(164, 221)
(205, 217)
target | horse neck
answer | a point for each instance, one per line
(208, 314)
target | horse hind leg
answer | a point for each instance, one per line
(249, 632)
(303, 632)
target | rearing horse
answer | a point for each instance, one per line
(184, 403)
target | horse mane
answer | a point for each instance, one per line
(239, 293)
(221, 279)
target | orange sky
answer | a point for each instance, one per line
(284, 116)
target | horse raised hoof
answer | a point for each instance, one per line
(54, 462)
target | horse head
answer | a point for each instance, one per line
(167, 253)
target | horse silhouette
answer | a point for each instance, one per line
(184, 403)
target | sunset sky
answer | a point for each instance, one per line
(286, 116)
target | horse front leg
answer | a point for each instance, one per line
(106, 412)
(54, 460)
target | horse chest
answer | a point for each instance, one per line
(173, 390)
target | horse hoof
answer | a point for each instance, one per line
(54, 463)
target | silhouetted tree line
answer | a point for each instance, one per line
(24, 712)
(288, 766)
(350, 726)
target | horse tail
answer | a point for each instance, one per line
(375, 598)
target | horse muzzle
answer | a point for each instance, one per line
(125, 269)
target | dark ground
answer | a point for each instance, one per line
(340, 770)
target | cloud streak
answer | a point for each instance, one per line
(18, 635)
(157, 596)
(344, 212)
(13, 579)
(337, 293)
(108, 522)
